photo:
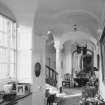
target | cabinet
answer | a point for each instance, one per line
(25, 101)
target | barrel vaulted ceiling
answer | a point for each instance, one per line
(59, 16)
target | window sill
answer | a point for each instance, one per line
(4, 81)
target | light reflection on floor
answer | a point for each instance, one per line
(73, 92)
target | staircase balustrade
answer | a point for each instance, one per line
(51, 76)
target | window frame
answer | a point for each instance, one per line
(9, 48)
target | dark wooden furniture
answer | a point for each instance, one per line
(81, 81)
(67, 80)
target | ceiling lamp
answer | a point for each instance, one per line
(75, 27)
(78, 49)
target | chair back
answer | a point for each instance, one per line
(67, 77)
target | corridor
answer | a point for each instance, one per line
(53, 47)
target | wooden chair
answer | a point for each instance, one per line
(66, 81)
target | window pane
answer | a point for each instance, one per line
(5, 25)
(13, 36)
(3, 71)
(1, 23)
(24, 38)
(12, 70)
(12, 57)
(7, 47)
(24, 65)
(15, 57)
(5, 43)
(1, 39)
(3, 55)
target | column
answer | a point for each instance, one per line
(58, 47)
(38, 83)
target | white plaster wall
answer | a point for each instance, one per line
(38, 55)
(77, 36)
(101, 84)
(67, 59)
(6, 11)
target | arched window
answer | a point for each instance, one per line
(7, 47)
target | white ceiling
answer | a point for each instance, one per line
(59, 15)
(24, 10)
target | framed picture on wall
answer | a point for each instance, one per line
(37, 69)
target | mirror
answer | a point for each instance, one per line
(37, 69)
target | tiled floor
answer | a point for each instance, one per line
(72, 98)
(72, 91)
(70, 101)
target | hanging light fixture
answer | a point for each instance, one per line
(75, 27)
(78, 49)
